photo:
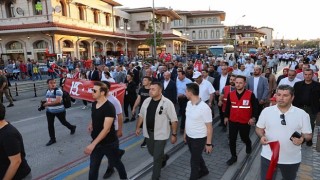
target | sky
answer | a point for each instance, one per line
(290, 19)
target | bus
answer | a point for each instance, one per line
(222, 52)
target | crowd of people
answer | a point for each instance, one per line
(243, 90)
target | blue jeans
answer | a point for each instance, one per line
(111, 151)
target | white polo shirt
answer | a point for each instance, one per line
(205, 89)
(117, 106)
(296, 120)
(196, 118)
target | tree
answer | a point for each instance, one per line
(150, 30)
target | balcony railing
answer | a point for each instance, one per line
(25, 20)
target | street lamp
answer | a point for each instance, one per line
(154, 31)
(125, 27)
(235, 34)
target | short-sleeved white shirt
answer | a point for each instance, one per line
(196, 117)
(117, 106)
(296, 120)
(205, 89)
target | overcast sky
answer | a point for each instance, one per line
(290, 19)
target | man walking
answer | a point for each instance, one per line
(198, 134)
(12, 154)
(104, 138)
(241, 113)
(279, 123)
(169, 87)
(55, 108)
(181, 83)
(4, 89)
(307, 96)
(156, 113)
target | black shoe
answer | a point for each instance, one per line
(51, 142)
(10, 105)
(203, 173)
(108, 173)
(73, 130)
(126, 121)
(165, 159)
(309, 143)
(121, 152)
(144, 144)
(132, 119)
(231, 161)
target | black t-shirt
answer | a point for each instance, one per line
(144, 94)
(306, 94)
(151, 113)
(11, 144)
(98, 116)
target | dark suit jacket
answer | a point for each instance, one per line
(160, 77)
(174, 74)
(216, 82)
(94, 76)
(315, 95)
(170, 92)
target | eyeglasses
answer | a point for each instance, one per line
(283, 122)
(161, 109)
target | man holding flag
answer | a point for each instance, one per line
(284, 127)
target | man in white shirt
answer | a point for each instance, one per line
(206, 89)
(290, 80)
(242, 71)
(198, 132)
(300, 75)
(279, 123)
(249, 66)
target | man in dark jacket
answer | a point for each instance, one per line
(307, 96)
(169, 88)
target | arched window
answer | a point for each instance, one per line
(194, 35)
(217, 34)
(14, 45)
(37, 7)
(200, 34)
(209, 21)
(96, 17)
(41, 44)
(212, 34)
(81, 13)
(67, 44)
(63, 8)
(203, 21)
(10, 9)
(205, 34)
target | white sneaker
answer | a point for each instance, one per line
(74, 102)
(84, 107)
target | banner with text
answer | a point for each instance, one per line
(82, 89)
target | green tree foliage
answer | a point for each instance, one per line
(150, 30)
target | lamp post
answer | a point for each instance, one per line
(125, 27)
(235, 34)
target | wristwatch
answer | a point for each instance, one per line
(175, 135)
(210, 145)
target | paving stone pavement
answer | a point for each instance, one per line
(216, 161)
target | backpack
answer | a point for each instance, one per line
(66, 98)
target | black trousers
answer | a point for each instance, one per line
(182, 101)
(196, 147)
(244, 130)
(62, 118)
(128, 102)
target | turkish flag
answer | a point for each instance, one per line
(82, 89)
(275, 148)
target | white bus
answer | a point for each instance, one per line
(222, 52)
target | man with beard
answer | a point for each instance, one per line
(226, 91)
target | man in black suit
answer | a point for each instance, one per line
(169, 88)
(93, 74)
(218, 84)
(162, 69)
(307, 96)
(173, 70)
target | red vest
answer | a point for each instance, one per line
(226, 91)
(240, 109)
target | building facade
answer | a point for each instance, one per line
(268, 38)
(204, 28)
(246, 37)
(78, 28)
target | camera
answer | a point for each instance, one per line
(41, 107)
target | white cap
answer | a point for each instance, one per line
(196, 75)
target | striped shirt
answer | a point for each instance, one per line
(51, 98)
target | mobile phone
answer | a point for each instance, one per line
(296, 135)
